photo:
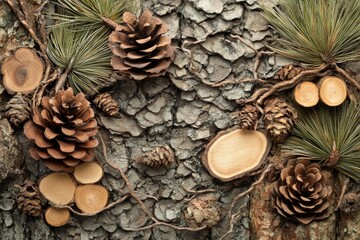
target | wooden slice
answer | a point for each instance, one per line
(57, 217)
(333, 90)
(88, 173)
(91, 198)
(235, 153)
(23, 71)
(306, 94)
(58, 188)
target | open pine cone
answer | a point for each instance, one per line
(63, 130)
(279, 118)
(28, 199)
(287, 72)
(247, 118)
(301, 194)
(158, 157)
(139, 47)
(18, 109)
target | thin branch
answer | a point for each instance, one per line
(343, 190)
(353, 81)
(198, 191)
(166, 225)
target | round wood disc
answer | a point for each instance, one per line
(91, 198)
(88, 173)
(58, 188)
(23, 71)
(235, 153)
(333, 90)
(57, 217)
(306, 94)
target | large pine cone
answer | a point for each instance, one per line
(140, 49)
(18, 109)
(301, 194)
(287, 72)
(28, 199)
(107, 104)
(279, 118)
(63, 130)
(158, 157)
(247, 118)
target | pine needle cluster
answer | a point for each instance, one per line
(315, 32)
(330, 135)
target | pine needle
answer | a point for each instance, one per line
(316, 31)
(85, 54)
(318, 130)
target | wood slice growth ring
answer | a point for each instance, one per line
(23, 71)
(57, 217)
(235, 153)
(91, 198)
(333, 91)
(306, 94)
(88, 173)
(58, 188)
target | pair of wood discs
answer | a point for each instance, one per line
(331, 90)
(61, 190)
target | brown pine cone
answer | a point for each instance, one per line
(140, 48)
(202, 210)
(107, 104)
(301, 194)
(279, 118)
(28, 199)
(63, 130)
(287, 72)
(247, 118)
(18, 109)
(158, 157)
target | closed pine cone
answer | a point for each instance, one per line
(158, 157)
(247, 118)
(279, 118)
(18, 109)
(139, 47)
(63, 130)
(28, 199)
(107, 104)
(287, 72)
(301, 194)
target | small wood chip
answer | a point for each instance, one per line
(57, 217)
(88, 173)
(91, 198)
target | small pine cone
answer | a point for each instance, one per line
(107, 104)
(287, 72)
(301, 194)
(247, 118)
(18, 109)
(140, 48)
(28, 199)
(202, 210)
(158, 157)
(350, 202)
(279, 119)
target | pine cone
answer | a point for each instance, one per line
(18, 109)
(279, 118)
(202, 210)
(140, 49)
(28, 200)
(301, 194)
(63, 130)
(107, 104)
(287, 72)
(158, 157)
(247, 118)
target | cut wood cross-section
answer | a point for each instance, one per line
(91, 198)
(235, 153)
(22, 72)
(306, 94)
(57, 217)
(87, 173)
(333, 91)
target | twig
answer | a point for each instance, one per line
(110, 205)
(343, 190)
(353, 81)
(167, 225)
(198, 191)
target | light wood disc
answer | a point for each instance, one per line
(58, 188)
(233, 154)
(333, 91)
(88, 173)
(57, 217)
(306, 94)
(91, 198)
